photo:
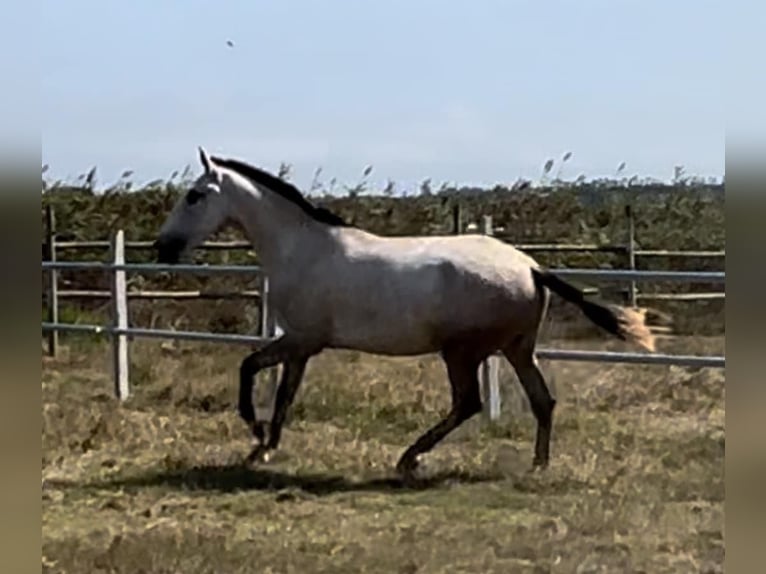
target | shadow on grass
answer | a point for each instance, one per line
(236, 477)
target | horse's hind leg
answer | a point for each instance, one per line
(466, 402)
(522, 357)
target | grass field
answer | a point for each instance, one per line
(636, 482)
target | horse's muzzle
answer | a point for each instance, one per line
(169, 249)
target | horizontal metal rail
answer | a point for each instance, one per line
(175, 295)
(673, 296)
(149, 267)
(554, 354)
(598, 274)
(552, 247)
(158, 333)
(632, 358)
(630, 275)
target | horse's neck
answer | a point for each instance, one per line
(281, 234)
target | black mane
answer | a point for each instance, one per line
(284, 189)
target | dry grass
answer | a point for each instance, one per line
(636, 482)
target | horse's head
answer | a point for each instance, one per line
(199, 213)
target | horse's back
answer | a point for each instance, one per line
(427, 289)
(479, 256)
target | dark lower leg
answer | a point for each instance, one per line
(271, 355)
(434, 435)
(466, 402)
(292, 376)
(542, 404)
(247, 371)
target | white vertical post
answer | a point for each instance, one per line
(492, 376)
(275, 372)
(266, 387)
(120, 319)
(489, 379)
(631, 253)
(52, 298)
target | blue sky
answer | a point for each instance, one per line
(473, 92)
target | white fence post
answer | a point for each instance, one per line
(120, 319)
(52, 291)
(489, 379)
(632, 291)
(268, 381)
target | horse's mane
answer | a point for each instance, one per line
(282, 188)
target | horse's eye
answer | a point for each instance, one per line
(194, 196)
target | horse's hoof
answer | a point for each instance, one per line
(259, 454)
(408, 478)
(258, 430)
(406, 470)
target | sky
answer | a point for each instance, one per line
(470, 93)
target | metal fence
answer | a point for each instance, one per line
(120, 332)
(52, 247)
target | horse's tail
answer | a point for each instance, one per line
(623, 322)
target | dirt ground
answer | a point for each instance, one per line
(636, 482)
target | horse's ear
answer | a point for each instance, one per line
(204, 158)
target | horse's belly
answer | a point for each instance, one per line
(409, 323)
(385, 346)
(387, 334)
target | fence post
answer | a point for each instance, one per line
(266, 389)
(457, 225)
(52, 291)
(631, 253)
(489, 379)
(120, 319)
(274, 372)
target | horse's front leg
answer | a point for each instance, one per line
(294, 356)
(292, 377)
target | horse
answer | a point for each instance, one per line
(336, 286)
